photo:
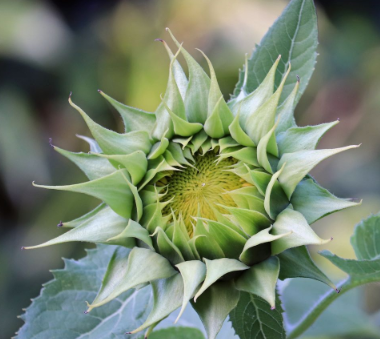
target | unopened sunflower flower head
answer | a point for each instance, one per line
(212, 197)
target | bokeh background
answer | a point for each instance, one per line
(49, 48)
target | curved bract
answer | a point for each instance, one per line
(213, 197)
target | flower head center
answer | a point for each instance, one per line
(202, 189)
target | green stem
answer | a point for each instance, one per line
(309, 318)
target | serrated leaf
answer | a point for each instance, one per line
(176, 332)
(253, 319)
(366, 238)
(295, 36)
(58, 311)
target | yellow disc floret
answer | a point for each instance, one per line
(202, 188)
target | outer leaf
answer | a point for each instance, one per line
(196, 98)
(315, 202)
(167, 297)
(115, 143)
(91, 165)
(215, 304)
(134, 119)
(302, 138)
(134, 231)
(193, 274)
(298, 164)
(254, 252)
(295, 36)
(112, 189)
(218, 268)
(301, 233)
(135, 163)
(297, 263)
(84, 218)
(253, 318)
(58, 311)
(102, 226)
(366, 239)
(261, 280)
(123, 273)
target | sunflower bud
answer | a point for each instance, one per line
(214, 198)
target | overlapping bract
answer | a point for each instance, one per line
(246, 244)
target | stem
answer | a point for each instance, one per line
(309, 318)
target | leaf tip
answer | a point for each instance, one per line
(51, 142)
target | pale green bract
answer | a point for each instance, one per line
(214, 198)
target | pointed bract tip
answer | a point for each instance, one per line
(70, 94)
(51, 142)
(22, 248)
(337, 290)
(86, 312)
(167, 29)
(331, 239)
(273, 308)
(298, 78)
(100, 91)
(160, 40)
(279, 57)
(60, 224)
(128, 332)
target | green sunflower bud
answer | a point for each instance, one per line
(214, 198)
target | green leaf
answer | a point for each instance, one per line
(177, 332)
(315, 202)
(297, 263)
(193, 274)
(167, 297)
(123, 273)
(345, 318)
(253, 318)
(215, 304)
(102, 226)
(58, 311)
(261, 280)
(179, 74)
(91, 165)
(115, 143)
(366, 238)
(197, 92)
(301, 233)
(362, 271)
(254, 252)
(135, 163)
(295, 36)
(302, 138)
(215, 269)
(134, 119)
(300, 163)
(112, 189)
(134, 231)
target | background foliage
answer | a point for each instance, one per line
(50, 48)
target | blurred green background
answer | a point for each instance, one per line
(49, 48)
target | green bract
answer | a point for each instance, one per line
(213, 197)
